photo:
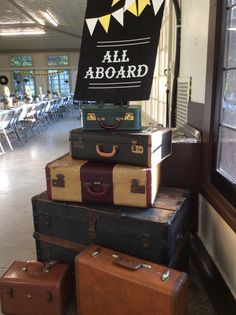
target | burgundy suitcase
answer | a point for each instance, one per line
(111, 283)
(88, 181)
(34, 288)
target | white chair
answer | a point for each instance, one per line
(6, 128)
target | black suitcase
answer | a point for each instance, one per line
(158, 234)
(146, 147)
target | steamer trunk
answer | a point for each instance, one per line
(159, 234)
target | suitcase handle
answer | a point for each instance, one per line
(127, 263)
(32, 266)
(106, 154)
(96, 193)
(105, 126)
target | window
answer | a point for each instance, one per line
(224, 147)
(58, 60)
(22, 80)
(21, 61)
(59, 81)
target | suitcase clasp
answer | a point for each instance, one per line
(91, 116)
(165, 275)
(136, 188)
(59, 181)
(129, 116)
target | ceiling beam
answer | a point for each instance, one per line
(46, 27)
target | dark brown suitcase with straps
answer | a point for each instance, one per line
(34, 288)
(109, 282)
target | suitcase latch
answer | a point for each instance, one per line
(137, 149)
(49, 296)
(91, 116)
(92, 224)
(10, 292)
(59, 181)
(129, 116)
(136, 188)
(165, 275)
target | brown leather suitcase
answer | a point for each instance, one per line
(109, 282)
(88, 181)
(34, 288)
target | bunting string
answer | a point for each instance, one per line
(136, 7)
(34, 74)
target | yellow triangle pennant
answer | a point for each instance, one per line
(105, 21)
(114, 2)
(142, 5)
(133, 9)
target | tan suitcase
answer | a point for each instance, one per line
(111, 283)
(110, 183)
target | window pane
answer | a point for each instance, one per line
(23, 79)
(228, 113)
(231, 2)
(53, 81)
(19, 61)
(52, 60)
(16, 61)
(58, 60)
(230, 56)
(26, 61)
(227, 153)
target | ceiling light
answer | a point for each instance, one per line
(14, 32)
(49, 16)
(231, 29)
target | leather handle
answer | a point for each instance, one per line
(97, 193)
(106, 154)
(127, 263)
(32, 266)
(110, 127)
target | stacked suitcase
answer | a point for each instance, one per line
(106, 192)
(105, 214)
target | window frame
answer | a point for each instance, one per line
(224, 186)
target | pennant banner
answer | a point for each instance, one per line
(118, 51)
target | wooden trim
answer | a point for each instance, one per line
(210, 88)
(219, 203)
(216, 287)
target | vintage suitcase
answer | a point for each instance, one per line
(34, 288)
(87, 181)
(111, 117)
(147, 147)
(159, 234)
(109, 282)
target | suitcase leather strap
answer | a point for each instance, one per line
(106, 154)
(58, 242)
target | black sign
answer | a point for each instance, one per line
(118, 51)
